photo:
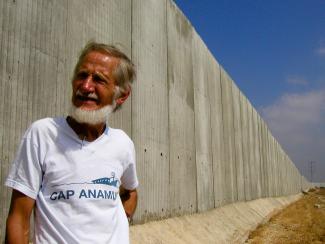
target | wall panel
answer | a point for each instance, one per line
(27, 51)
(202, 111)
(251, 154)
(239, 162)
(228, 137)
(150, 107)
(273, 166)
(257, 160)
(244, 108)
(264, 152)
(181, 112)
(217, 142)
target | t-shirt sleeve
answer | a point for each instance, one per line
(25, 174)
(129, 178)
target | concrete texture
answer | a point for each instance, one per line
(200, 144)
(228, 224)
(228, 138)
(245, 146)
(150, 93)
(202, 111)
(256, 155)
(251, 154)
(238, 138)
(217, 143)
(182, 175)
(31, 70)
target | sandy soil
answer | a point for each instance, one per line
(301, 222)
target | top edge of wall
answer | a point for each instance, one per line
(172, 2)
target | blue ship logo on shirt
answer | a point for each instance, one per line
(92, 192)
(107, 181)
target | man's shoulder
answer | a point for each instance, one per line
(120, 135)
(46, 122)
(44, 126)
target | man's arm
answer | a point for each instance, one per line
(21, 207)
(129, 200)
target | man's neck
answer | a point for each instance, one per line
(86, 131)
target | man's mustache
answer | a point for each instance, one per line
(87, 95)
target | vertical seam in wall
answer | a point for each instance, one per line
(266, 158)
(254, 148)
(194, 141)
(260, 153)
(66, 47)
(261, 142)
(4, 162)
(223, 200)
(60, 112)
(168, 104)
(16, 132)
(241, 142)
(234, 137)
(35, 53)
(211, 148)
(131, 54)
(263, 155)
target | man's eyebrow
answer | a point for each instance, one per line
(82, 70)
(102, 76)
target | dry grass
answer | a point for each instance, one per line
(301, 222)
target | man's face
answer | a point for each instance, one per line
(93, 86)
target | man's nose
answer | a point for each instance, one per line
(88, 84)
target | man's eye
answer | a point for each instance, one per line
(97, 78)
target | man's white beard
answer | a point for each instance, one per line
(92, 117)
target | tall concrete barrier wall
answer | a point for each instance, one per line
(200, 143)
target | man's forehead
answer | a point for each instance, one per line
(100, 56)
(95, 59)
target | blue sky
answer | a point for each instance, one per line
(275, 52)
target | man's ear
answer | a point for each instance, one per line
(125, 93)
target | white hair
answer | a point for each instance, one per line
(92, 117)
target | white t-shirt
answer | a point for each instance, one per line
(75, 183)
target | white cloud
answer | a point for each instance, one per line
(298, 123)
(297, 80)
(321, 50)
(296, 110)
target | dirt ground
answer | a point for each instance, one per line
(301, 222)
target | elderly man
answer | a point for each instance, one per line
(72, 169)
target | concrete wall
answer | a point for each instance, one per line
(231, 223)
(200, 143)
